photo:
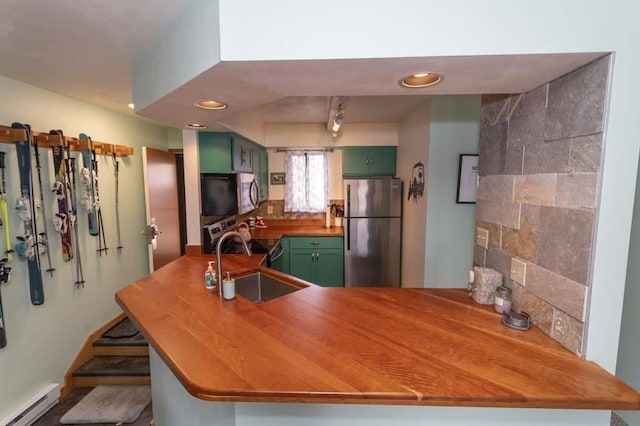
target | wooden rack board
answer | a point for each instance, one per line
(10, 135)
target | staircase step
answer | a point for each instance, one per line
(93, 381)
(137, 340)
(114, 366)
(113, 370)
(121, 350)
(125, 333)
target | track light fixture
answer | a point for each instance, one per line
(335, 119)
(337, 122)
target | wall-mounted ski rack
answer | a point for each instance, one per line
(9, 135)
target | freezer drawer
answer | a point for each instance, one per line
(372, 252)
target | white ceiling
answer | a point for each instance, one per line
(80, 48)
(83, 49)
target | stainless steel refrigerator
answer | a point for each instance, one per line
(373, 232)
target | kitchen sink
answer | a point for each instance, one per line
(260, 288)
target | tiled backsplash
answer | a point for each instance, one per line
(277, 211)
(538, 166)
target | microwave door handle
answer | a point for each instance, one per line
(253, 184)
(257, 192)
(348, 217)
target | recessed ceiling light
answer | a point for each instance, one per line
(422, 79)
(131, 105)
(195, 126)
(211, 105)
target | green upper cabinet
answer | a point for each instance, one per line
(369, 161)
(215, 152)
(225, 152)
(355, 160)
(242, 149)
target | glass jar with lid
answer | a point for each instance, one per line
(503, 299)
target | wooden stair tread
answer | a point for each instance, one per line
(138, 340)
(124, 333)
(121, 350)
(114, 366)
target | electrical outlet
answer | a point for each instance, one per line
(482, 237)
(518, 270)
(269, 209)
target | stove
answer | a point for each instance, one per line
(212, 233)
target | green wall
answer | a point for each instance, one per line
(629, 350)
(455, 130)
(43, 340)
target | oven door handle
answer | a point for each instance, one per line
(276, 252)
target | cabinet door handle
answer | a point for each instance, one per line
(315, 243)
(313, 255)
(371, 161)
(367, 162)
(317, 256)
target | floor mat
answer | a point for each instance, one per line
(124, 328)
(110, 404)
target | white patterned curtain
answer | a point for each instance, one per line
(307, 187)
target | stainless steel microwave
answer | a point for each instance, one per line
(227, 194)
(248, 192)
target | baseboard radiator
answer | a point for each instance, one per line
(33, 409)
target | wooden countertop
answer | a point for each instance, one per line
(356, 345)
(277, 229)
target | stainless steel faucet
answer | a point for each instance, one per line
(219, 257)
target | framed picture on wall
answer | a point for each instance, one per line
(278, 179)
(467, 179)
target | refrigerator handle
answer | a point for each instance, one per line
(348, 217)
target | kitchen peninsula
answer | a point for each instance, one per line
(389, 347)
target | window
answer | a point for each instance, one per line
(307, 181)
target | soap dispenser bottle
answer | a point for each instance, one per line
(210, 278)
(228, 287)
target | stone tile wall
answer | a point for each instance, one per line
(537, 196)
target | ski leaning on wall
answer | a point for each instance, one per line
(70, 167)
(4, 269)
(27, 246)
(62, 218)
(87, 177)
(4, 210)
(4, 278)
(116, 172)
(43, 237)
(91, 197)
(102, 242)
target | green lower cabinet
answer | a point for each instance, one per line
(302, 265)
(317, 259)
(329, 268)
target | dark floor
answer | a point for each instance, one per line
(52, 418)
(617, 421)
(122, 334)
